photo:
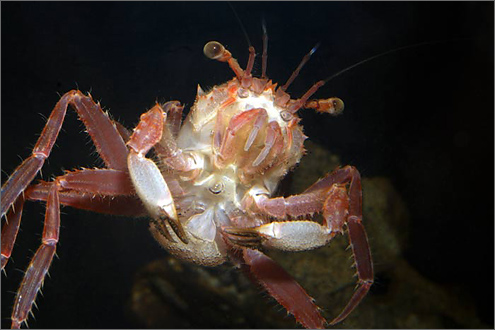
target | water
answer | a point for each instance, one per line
(422, 117)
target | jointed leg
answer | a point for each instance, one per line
(102, 130)
(10, 229)
(284, 289)
(109, 143)
(100, 190)
(264, 271)
(35, 274)
(339, 208)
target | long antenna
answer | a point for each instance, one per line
(389, 52)
(240, 23)
(299, 67)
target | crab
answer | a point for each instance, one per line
(206, 185)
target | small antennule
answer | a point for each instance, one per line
(300, 66)
(250, 64)
(264, 57)
(247, 78)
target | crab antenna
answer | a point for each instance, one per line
(250, 63)
(296, 71)
(264, 57)
(388, 52)
(240, 23)
(357, 64)
(247, 78)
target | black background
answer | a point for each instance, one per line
(422, 116)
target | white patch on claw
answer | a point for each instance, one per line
(294, 235)
(150, 186)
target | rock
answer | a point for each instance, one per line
(170, 293)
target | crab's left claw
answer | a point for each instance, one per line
(281, 286)
(243, 237)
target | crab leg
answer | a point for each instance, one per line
(103, 181)
(100, 127)
(124, 132)
(35, 274)
(114, 195)
(339, 208)
(146, 177)
(10, 229)
(364, 266)
(100, 190)
(77, 189)
(281, 286)
(108, 139)
(124, 205)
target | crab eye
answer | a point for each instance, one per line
(286, 115)
(213, 50)
(337, 105)
(216, 188)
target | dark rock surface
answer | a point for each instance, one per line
(169, 293)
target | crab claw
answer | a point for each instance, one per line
(245, 237)
(146, 176)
